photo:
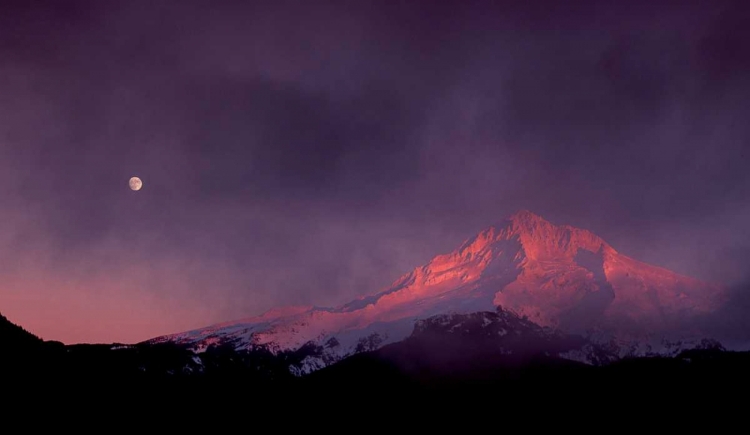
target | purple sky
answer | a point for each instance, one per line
(312, 152)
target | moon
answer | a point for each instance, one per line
(135, 183)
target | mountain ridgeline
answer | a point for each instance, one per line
(524, 302)
(500, 354)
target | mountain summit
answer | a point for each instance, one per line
(554, 275)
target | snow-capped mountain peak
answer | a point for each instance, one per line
(554, 275)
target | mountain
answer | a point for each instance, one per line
(458, 364)
(451, 360)
(554, 275)
(481, 346)
(480, 341)
(14, 337)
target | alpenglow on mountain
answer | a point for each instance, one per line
(555, 275)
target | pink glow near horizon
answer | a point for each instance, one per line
(97, 310)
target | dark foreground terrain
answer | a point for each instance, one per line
(428, 371)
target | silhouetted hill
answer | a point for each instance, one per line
(20, 350)
(513, 363)
(14, 336)
(458, 362)
(460, 347)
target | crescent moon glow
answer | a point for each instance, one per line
(135, 183)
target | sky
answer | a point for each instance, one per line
(307, 153)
